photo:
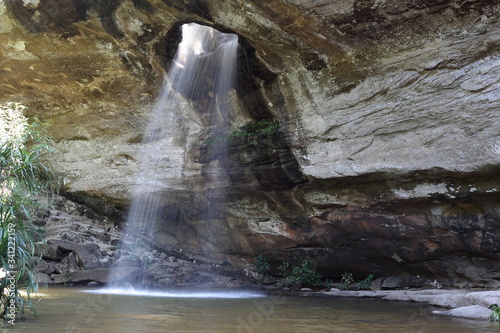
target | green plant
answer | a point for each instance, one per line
(140, 244)
(262, 265)
(261, 128)
(330, 283)
(252, 132)
(302, 275)
(24, 172)
(68, 277)
(365, 284)
(495, 315)
(346, 280)
(146, 261)
(284, 269)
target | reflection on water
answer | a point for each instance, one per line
(177, 293)
(72, 310)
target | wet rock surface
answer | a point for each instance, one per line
(96, 254)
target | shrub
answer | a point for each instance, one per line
(262, 265)
(365, 284)
(24, 172)
(495, 315)
(302, 275)
(346, 280)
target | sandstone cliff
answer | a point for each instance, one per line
(387, 153)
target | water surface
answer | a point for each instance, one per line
(78, 310)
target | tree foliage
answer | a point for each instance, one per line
(24, 173)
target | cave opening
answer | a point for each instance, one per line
(251, 72)
(254, 151)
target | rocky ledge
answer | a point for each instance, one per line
(84, 248)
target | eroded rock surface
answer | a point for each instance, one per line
(387, 151)
(84, 248)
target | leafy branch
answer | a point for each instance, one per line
(24, 172)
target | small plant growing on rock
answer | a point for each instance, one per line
(495, 315)
(284, 269)
(346, 280)
(262, 265)
(365, 284)
(68, 277)
(330, 283)
(302, 275)
(139, 245)
(252, 133)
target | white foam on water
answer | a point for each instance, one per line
(178, 293)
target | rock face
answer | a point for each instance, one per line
(381, 147)
(84, 247)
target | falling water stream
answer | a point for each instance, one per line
(201, 74)
(202, 71)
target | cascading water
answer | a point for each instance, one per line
(201, 76)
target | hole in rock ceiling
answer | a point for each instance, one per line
(251, 71)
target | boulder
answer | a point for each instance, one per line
(70, 262)
(469, 312)
(86, 256)
(52, 252)
(393, 282)
(377, 284)
(42, 266)
(42, 278)
(416, 282)
(52, 268)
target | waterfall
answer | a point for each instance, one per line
(201, 74)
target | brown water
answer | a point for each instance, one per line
(74, 310)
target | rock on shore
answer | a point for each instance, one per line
(461, 303)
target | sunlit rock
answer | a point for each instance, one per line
(386, 153)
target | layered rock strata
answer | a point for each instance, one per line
(386, 153)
